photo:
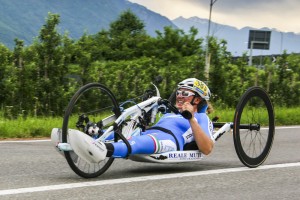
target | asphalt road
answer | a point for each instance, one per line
(34, 170)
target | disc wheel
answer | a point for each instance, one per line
(91, 103)
(253, 128)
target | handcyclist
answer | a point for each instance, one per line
(172, 132)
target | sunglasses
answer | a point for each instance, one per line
(184, 93)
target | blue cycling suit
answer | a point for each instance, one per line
(157, 141)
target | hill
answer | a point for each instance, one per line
(23, 19)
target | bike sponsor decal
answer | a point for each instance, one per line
(185, 155)
(178, 155)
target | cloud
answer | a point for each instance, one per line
(282, 15)
(278, 14)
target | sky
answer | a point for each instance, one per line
(283, 15)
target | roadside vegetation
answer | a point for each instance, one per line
(37, 81)
(40, 127)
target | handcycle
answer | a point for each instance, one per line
(95, 111)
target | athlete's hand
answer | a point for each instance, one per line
(187, 107)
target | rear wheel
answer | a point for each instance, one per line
(254, 125)
(90, 105)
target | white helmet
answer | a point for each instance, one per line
(197, 86)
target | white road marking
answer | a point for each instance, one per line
(140, 179)
(23, 141)
(286, 127)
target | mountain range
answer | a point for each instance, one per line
(23, 19)
(238, 38)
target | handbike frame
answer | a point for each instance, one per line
(125, 124)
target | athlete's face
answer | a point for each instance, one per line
(182, 96)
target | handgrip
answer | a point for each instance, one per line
(187, 114)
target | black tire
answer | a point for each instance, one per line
(97, 102)
(253, 144)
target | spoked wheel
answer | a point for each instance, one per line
(90, 105)
(254, 125)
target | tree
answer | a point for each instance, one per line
(219, 68)
(7, 77)
(83, 56)
(127, 36)
(173, 44)
(50, 62)
(50, 39)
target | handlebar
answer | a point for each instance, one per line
(186, 114)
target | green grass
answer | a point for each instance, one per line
(35, 127)
(283, 115)
(31, 127)
(287, 116)
(224, 114)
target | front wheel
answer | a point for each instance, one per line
(253, 128)
(89, 106)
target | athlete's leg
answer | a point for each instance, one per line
(144, 144)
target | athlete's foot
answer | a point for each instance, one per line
(55, 136)
(56, 139)
(86, 147)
